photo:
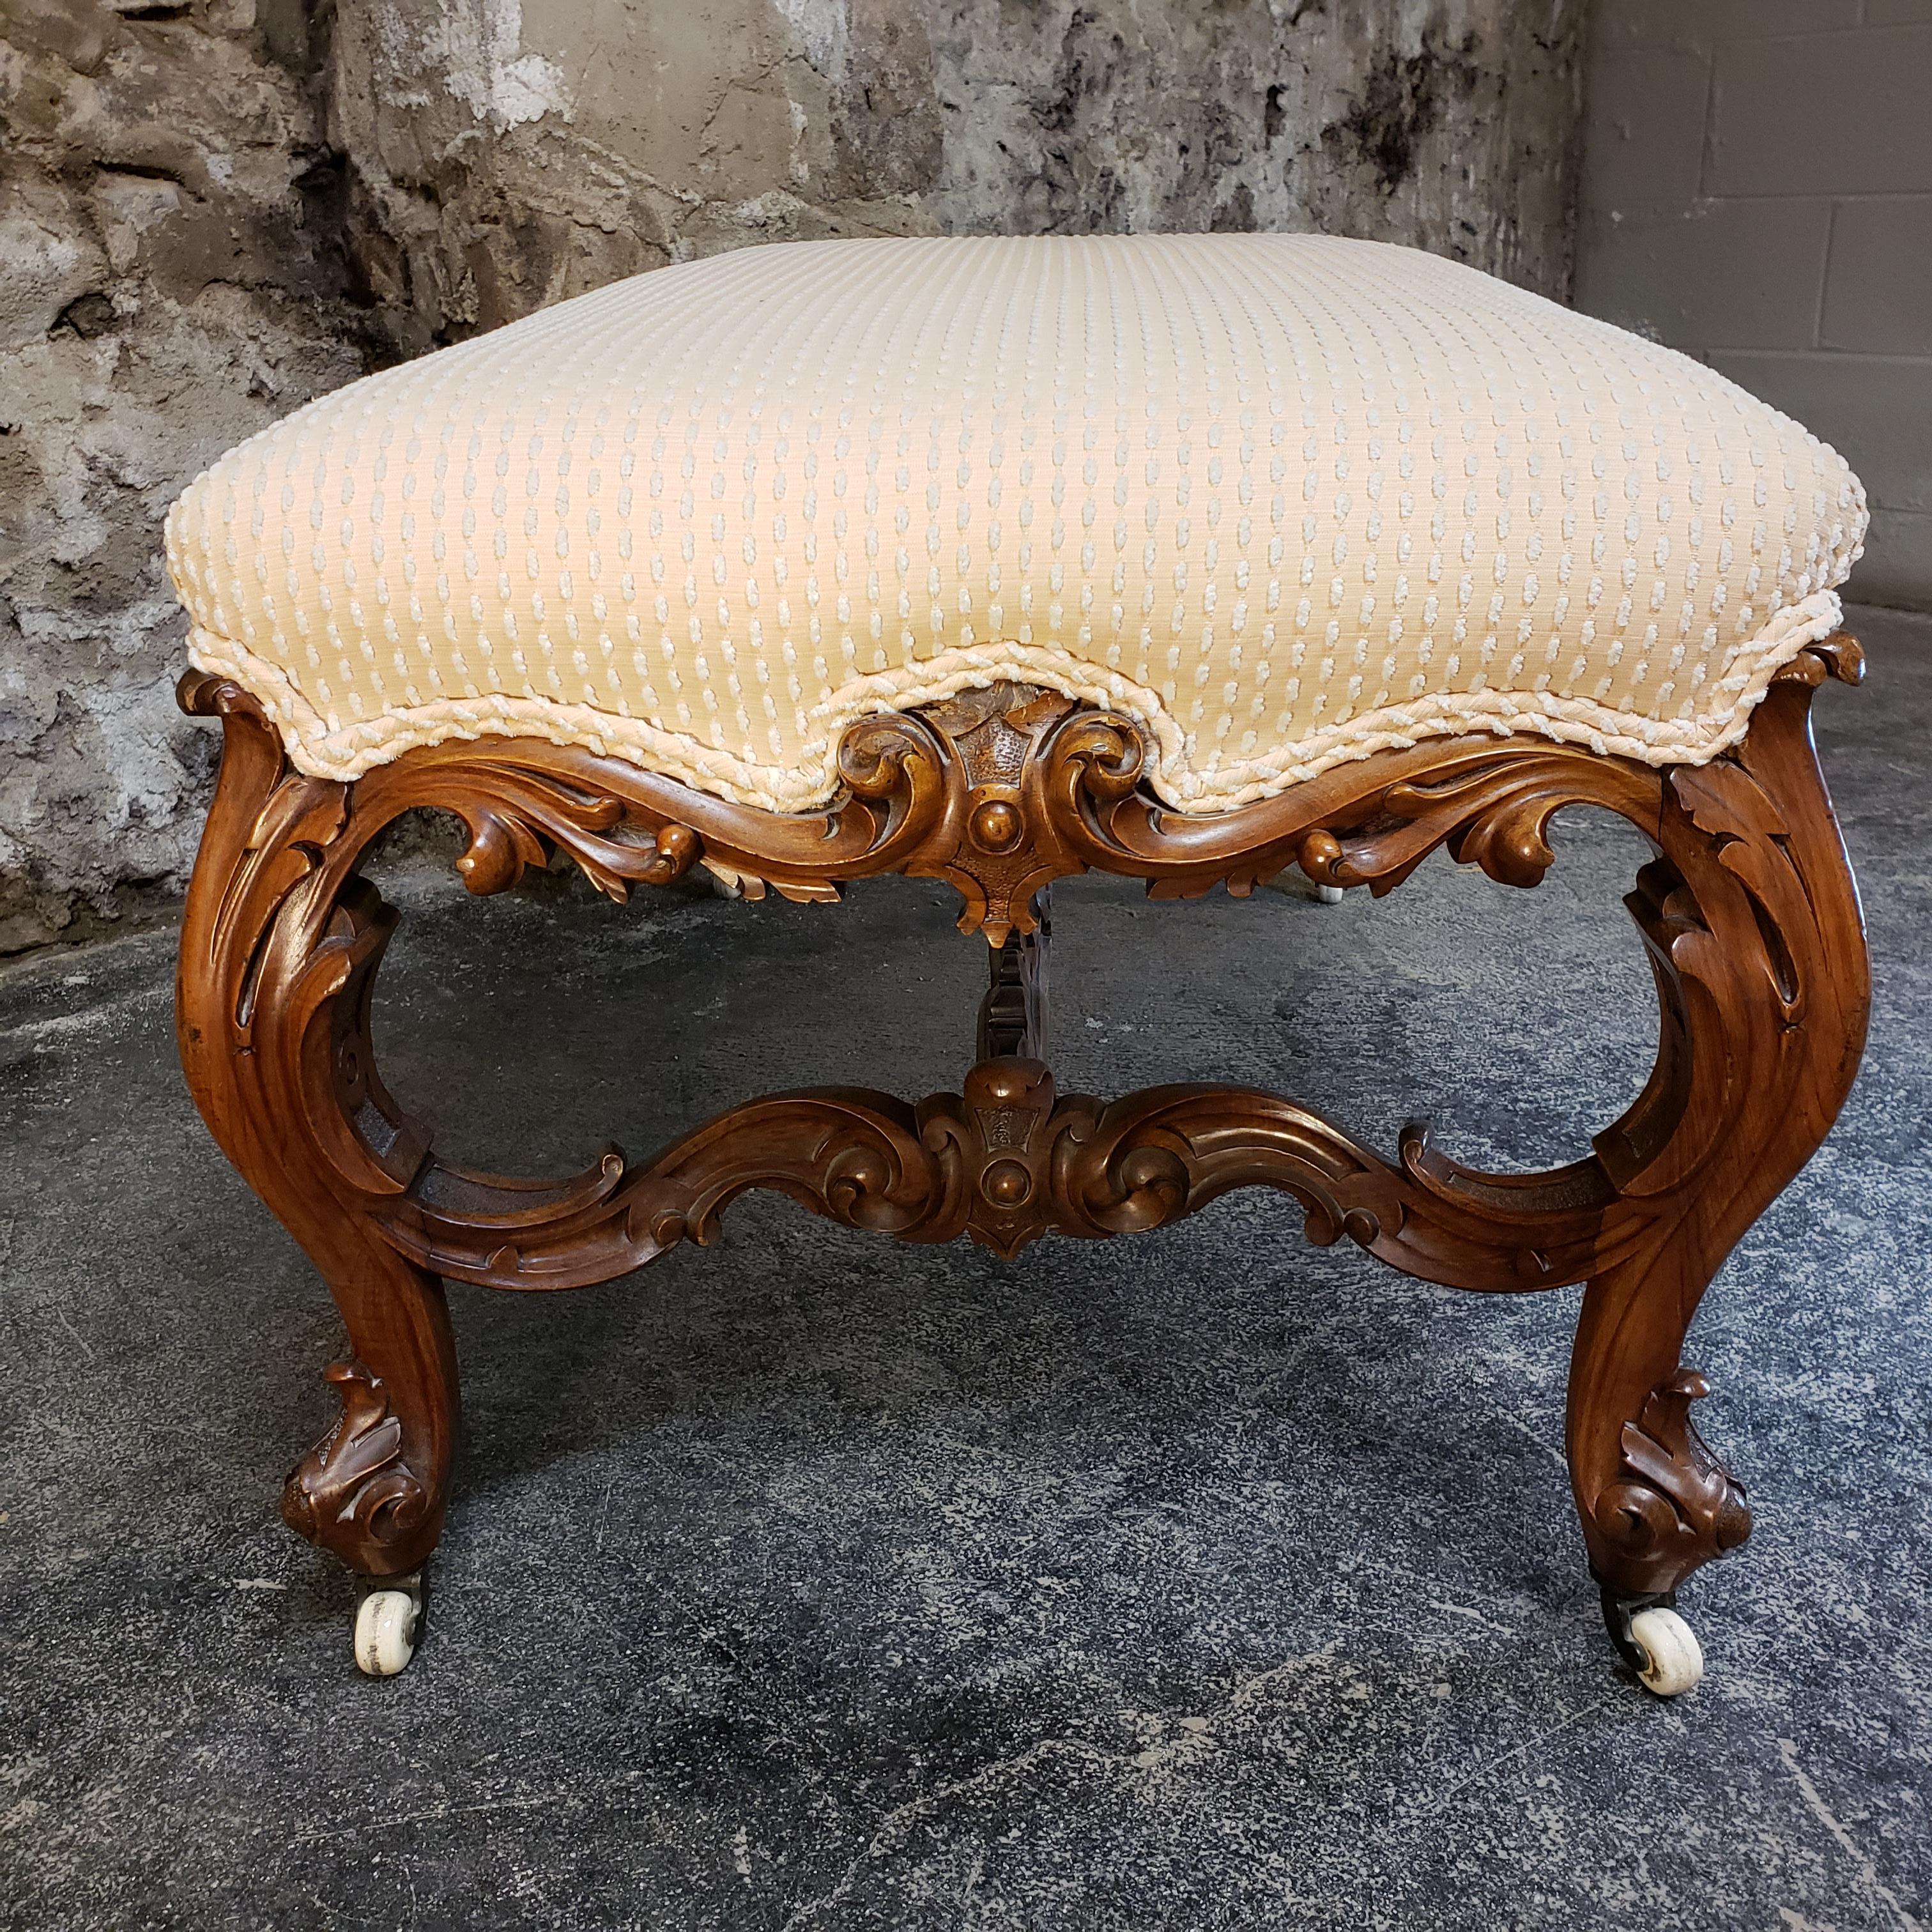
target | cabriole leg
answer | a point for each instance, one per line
(279, 945)
(1752, 923)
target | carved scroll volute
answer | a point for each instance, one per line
(356, 1484)
(518, 802)
(1492, 807)
(1674, 1505)
(1091, 761)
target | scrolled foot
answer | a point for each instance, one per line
(358, 1493)
(1675, 1503)
(1655, 1642)
(389, 1613)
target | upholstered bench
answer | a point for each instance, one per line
(1191, 560)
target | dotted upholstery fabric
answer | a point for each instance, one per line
(1285, 499)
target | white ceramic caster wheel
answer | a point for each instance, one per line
(385, 1631)
(1298, 886)
(1674, 1660)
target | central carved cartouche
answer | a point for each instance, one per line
(1003, 1135)
(995, 738)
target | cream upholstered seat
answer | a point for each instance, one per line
(1285, 500)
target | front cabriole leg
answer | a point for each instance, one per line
(1752, 923)
(279, 943)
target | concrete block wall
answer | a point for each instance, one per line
(1757, 191)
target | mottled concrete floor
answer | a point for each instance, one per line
(1205, 1580)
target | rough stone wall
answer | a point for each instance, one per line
(167, 287)
(211, 211)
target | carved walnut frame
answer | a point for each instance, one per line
(1748, 911)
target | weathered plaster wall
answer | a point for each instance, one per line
(210, 212)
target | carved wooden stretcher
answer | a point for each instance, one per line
(1747, 909)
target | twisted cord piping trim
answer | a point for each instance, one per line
(346, 754)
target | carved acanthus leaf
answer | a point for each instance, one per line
(356, 1478)
(1676, 1505)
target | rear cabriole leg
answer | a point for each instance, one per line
(1012, 1016)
